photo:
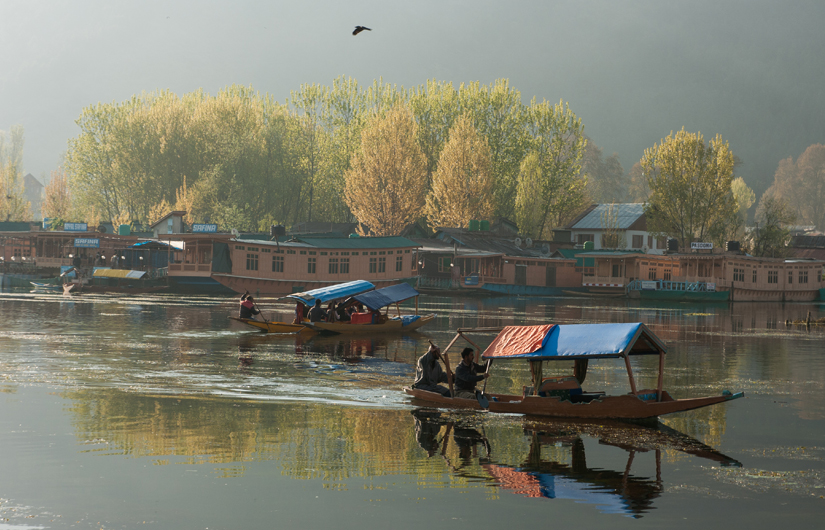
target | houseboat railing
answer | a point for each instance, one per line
(668, 285)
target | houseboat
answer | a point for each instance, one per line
(275, 268)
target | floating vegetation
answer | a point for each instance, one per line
(810, 482)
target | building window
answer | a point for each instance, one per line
(382, 264)
(651, 273)
(399, 264)
(649, 241)
(638, 241)
(803, 276)
(251, 262)
(311, 265)
(277, 264)
(773, 276)
(444, 264)
(583, 238)
(617, 270)
(333, 265)
(666, 275)
(661, 243)
(754, 276)
(790, 276)
(738, 275)
(373, 264)
(344, 265)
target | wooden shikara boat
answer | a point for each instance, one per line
(373, 321)
(563, 396)
(339, 291)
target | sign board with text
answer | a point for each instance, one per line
(75, 227)
(86, 242)
(204, 228)
(701, 246)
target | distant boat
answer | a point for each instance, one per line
(332, 293)
(373, 321)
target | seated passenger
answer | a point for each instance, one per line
(317, 313)
(467, 374)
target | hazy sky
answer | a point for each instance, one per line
(750, 70)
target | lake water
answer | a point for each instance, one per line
(159, 412)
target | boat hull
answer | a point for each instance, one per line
(625, 407)
(390, 326)
(271, 327)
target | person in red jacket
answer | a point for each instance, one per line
(248, 309)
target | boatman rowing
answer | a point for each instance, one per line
(467, 374)
(428, 372)
(248, 309)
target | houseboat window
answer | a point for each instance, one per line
(738, 275)
(617, 270)
(649, 241)
(238, 247)
(444, 264)
(251, 262)
(790, 276)
(803, 276)
(666, 275)
(344, 265)
(355, 253)
(399, 263)
(345, 253)
(290, 252)
(310, 265)
(773, 276)
(406, 251)
(382, 264)
(333, 265)
(382, 253)
(303, 252)
(638, 241)
(754, 276)
(311, 252)
(277, 264)
(651, 273)
(372, 253)
(373, 265)
(323, 253)
(661, 243)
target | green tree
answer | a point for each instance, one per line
(387, 181)
(690, 186)
(551, 188)
(462, 186)
(13, 205)
(57, 202)
(772, 233)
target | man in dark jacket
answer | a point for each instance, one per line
(317, 313)
(428, 373)
(467, 374)
(248, 309)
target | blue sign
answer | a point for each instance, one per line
(75, 227)
(86, 242)
(211, 228)
(471, 279)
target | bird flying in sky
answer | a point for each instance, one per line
(359, 29)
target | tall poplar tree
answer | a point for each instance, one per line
(386, 184)
(690, 186)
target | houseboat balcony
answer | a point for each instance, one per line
(190, 269)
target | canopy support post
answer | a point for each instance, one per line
(416, 305)
(630, 374)
(660, 383)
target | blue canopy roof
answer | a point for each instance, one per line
(333, 292)
(573, 341)
(386, 296)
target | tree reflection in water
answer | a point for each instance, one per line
(565, 474)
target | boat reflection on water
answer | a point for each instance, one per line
(566, 474)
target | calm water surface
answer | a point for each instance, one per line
(160, 412)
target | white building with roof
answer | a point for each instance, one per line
(628, 220)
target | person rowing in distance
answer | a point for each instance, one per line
(248, 309)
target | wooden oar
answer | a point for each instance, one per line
(482, 399)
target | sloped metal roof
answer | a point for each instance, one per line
(626, 215)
